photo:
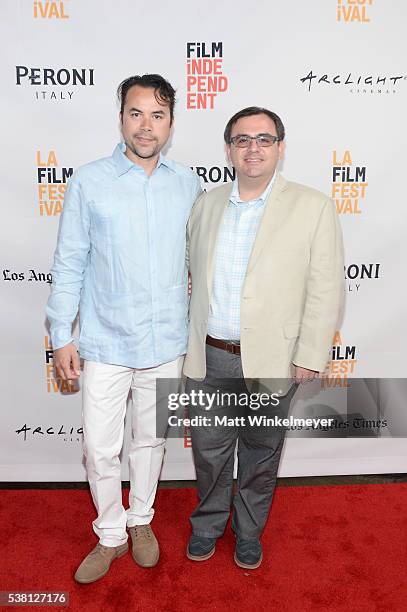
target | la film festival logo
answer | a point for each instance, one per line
(51, 183)
(205, 78)
(54, 84)
(353, 10)
(54, 383)
(50, 10)
(349, 184)
(341, 366)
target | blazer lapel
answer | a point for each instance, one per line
(268, 221)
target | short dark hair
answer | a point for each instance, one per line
(248, 112)
(163, 90)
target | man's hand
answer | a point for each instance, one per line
(66, 362)
(302, 375)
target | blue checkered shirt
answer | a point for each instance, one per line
(232, 252)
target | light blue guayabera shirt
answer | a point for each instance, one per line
(120, 258)
(233, 248)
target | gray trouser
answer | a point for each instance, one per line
(258, 452)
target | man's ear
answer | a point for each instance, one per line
(227, 151)
(281, 149)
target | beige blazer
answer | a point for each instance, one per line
(293, 289)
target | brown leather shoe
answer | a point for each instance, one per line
(98, 561)
(145, 548)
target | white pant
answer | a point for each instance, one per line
(105, 392)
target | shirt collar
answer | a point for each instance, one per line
(235, 197)
(124, 164)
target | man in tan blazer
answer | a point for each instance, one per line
(266, 263)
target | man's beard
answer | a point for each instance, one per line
(139, 152)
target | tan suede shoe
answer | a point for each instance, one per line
(145, 548)
(98, 562)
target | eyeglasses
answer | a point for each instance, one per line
(263, 140)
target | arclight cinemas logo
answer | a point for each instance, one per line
(355, 83)
(54, 83)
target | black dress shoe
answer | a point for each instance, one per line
(200, 549)
(248, 553)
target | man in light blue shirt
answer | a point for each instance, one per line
(120, 261)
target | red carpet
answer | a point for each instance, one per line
(337, 548)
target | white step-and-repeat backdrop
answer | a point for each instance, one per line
(334, 70)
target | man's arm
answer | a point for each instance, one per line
(198, 195)
(324, 296)
(68, 270)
